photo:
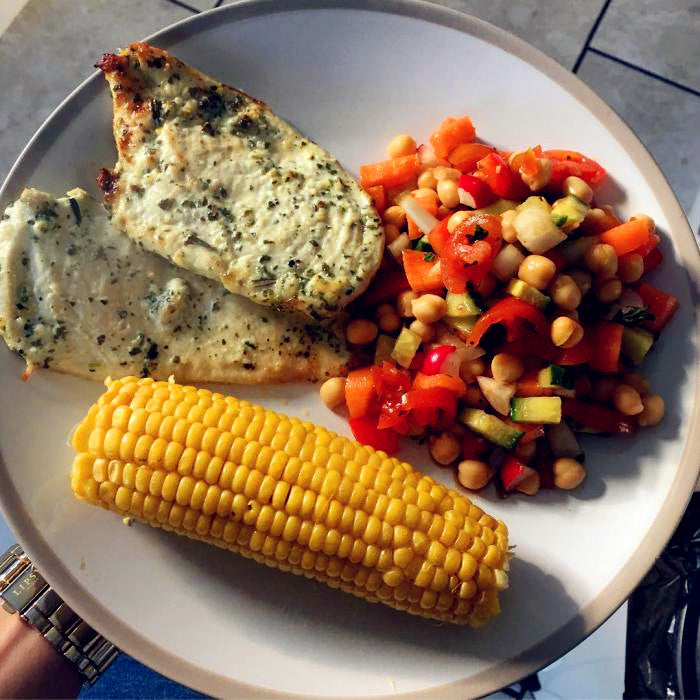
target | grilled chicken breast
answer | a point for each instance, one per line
(211, 179)
(78, 296)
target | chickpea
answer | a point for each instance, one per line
(526, 451)
(387, 318)
(448, 192)
(608, 290)
(599, 220)
(443, 212)
(583, 280)
(630, 267)
(391, 233)
(506, 368)
(565, 332)
(398, 245)
(472, 369)
(627, 400)
(445, 448)
(361, 331)
(474, 397)
(404, 303)
(537, 271)
(654, 410)
(530, 485)
(507, 229)
(565, 292)
(456, 219)
(474, 474)
(429, 308)
(637, 381)
(394, 215)
(444, 173)
(568, 473)
(333, 392)
(602, 389)
(427, 193)
(578, 188)
(601, 260)
(648, 219)
(423, 330)
(401, 145)
(427, 179)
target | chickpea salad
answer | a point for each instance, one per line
(510, 313)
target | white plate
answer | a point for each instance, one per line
(351, 75)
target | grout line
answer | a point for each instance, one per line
(651, 74)
(185, 6)
(590, 36)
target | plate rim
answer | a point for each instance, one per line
(680, 491)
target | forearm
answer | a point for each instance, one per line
(29, 666)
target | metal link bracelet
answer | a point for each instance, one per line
(23, 590)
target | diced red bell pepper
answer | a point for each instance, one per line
(465, 156)
(450, 134)
(378, 196)
(511, 313)
(442, 381)
(597, 417)
(366, 432)
(439, 236)
(500, 178)
(565, 163)
(607, 344)
(579, 354)
(660, 304)
(386, 285)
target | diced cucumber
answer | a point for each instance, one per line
(568, 212)
(506, 263)
(460, 326)
(383, 348)
(536, 409)
(406, 346)
(534, 226)
(574, 250)
(526, 292)
(497, 207)
(556, 377)
(636, 343)
(461, 305)
(490, 427)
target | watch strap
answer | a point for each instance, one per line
(25, 591)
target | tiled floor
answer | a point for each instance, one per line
(641, 56)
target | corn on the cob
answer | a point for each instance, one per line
(291, 495)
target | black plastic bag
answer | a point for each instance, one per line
(663, 649)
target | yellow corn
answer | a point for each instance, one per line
(291, 495)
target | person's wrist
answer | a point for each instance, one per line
(23, 590)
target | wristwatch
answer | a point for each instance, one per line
(24, 590)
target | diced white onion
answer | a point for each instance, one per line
(426, 222)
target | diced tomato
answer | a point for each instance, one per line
(660, 304)
(442, 381)
(450, 134)
(433, 406)
(386, 285)
(366, 432)
(607, 344)
(565, 163)
(474, 446)
(511, 313)
(360, 391)
(597, 417)
(653, 259)
(500, 178)
(422, 270)
(439, 236)
(579, 354)
(467, 155)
